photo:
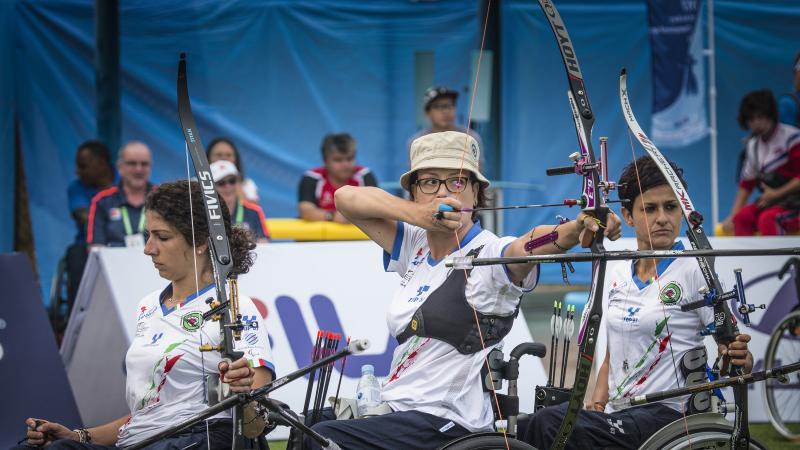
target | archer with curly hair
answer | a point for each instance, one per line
(165, 369)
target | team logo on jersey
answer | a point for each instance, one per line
(192, 321)
(251, 338)
(141, 327)
(631, 317)
(250, 322)
(154, 339)
(114, 214)
(419, 297)
(418, 258)
(145, 313)
(671, 293)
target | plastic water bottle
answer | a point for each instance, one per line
(368, 394)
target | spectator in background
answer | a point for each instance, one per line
(440, 107)
(789, 103)
(318, 185)
(95, 173)
(244, 213)
(771, 164)
(224, 149)
(116, 216)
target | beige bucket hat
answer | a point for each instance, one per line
(444, 150)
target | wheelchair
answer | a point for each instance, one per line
(707, 430)
(500, 370)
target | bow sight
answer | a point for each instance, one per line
(583, 167)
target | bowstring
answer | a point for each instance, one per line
(197, 289)
(657, 280)
(455, 232)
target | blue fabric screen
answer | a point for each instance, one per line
(276, 75)
(537, 130)
(7, 100)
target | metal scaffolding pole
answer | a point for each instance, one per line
(712, 112)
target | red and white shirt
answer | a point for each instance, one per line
(780, 153)
(316, 187)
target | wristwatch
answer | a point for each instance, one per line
(329, 216)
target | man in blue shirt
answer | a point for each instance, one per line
(789, 104)
(95, 173)
(116, 216)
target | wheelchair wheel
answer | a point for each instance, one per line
(707, 431)
(486, 441)
(783, 399)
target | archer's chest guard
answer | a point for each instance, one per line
(447, 316)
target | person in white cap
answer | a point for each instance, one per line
(434, 385)
(244, 213)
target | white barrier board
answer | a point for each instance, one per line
(301, 287)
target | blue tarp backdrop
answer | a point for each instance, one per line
(7, 30)
(277, 75)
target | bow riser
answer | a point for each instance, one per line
(589, 169)
(584, 136)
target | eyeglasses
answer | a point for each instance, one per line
(443, 106)
(227, 181)
(137, 163)
(431, 185)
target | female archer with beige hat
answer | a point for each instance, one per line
(434, 385)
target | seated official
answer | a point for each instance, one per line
(434, 389)
(244, 213)
(167, 375)
(315, 196)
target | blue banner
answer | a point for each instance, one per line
(679, 93)
(34, 381)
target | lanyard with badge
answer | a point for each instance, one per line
(239, 218)
(133, 240)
